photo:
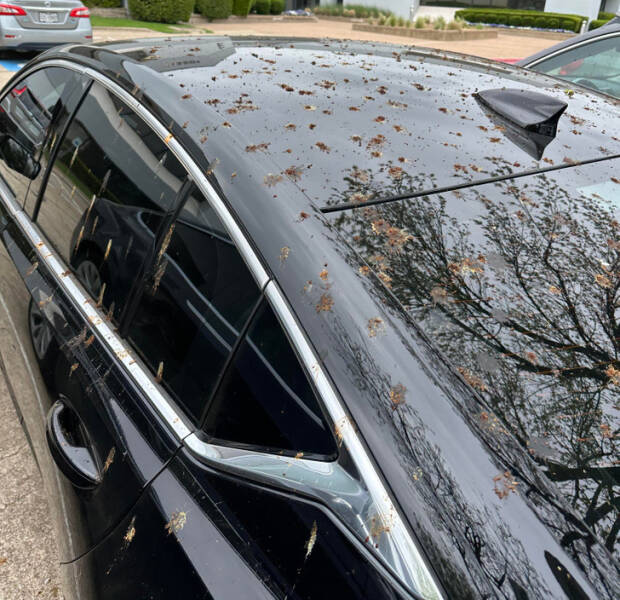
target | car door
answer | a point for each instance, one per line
(111, 185)
(33, 110)
(203, 528)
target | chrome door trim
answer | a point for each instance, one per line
(247, 252)
(407, 558)
(569, 48)
(377, 521)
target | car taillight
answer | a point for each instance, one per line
(10, 9)
(80, 13)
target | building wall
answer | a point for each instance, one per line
(586, 8)
(612, 6)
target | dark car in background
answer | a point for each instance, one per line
(292, 319)
(591, 60)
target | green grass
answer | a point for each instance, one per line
(115, 22)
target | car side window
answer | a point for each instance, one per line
(112, 183)
(193, 306)
(26, 115)
(266, 401)
(595, 65)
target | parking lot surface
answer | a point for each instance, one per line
(505, 46)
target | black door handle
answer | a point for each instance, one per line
(70, 447)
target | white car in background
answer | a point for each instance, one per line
(27, 25)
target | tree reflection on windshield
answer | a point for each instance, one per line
(518, 284)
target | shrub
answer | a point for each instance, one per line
(382, 20)
(408, 24)
(597, 23)
(521, 18)
(214, 9)
(605, 16)
(400, 22)
(277, 7)
(161, 11)
(241, 8)
(392, 20)
(420, 23)
(263, 7)
(455, 25)
(347, 12)
(362, 11)
(439, 23)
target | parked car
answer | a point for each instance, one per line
(27, 25)
(293, 319)
(591, 60)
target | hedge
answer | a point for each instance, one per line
(161, 11)
(603, 19)
(214, 9)
(277, 7)
(262, 6)
(241, 8)
(598, 23)
(521, 18)
(104, 3)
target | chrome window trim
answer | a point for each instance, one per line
(569, 48)
(395, 544)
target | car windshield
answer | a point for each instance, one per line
(595, 65)
(517, 283)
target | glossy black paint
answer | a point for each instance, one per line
(419, 418)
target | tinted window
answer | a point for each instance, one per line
(26, 113)
(265, 399)
(112, 182)
(594, 65)
(194, 305)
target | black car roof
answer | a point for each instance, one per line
(415, 412)
(318, 113)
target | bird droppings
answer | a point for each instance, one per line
(176, 523)
(130, 534)
(311, 540)
(109, 460)
(326, 303)
(397, 395)
(504, 485)
(376, 326)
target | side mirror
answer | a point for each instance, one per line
(19, 158)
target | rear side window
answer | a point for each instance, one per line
(193, 306)
(111, 185)
(266, 400)
(26, 115)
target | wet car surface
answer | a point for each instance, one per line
(375, 308)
